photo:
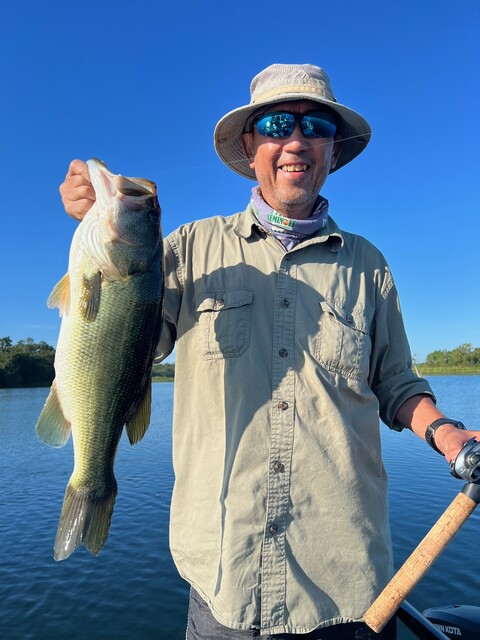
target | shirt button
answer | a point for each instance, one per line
(282, 405)
(284, 303)
(273, 529)
(283, 353)
(278, 467)
(220, 302)
(288, 257)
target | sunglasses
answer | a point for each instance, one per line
(281, 124)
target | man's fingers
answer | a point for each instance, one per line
(78, 187)
(77, 192)
(78, 167)
(72, 193)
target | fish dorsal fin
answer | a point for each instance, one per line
(52, 426)
(138, 424)
(60, 296)
(89, 301)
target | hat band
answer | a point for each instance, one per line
(293, 88)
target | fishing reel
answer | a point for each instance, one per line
(466, 465)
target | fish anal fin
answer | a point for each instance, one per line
(137, 425)
(60, 296)
(89, 302)
(52, 426)
(85, 519)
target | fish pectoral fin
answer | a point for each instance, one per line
(60, 296)
(137, 425)
(85, 519)
(90, 296)
(52, 426)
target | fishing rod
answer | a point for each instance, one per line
(466, 466)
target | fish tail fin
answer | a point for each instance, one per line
(85, 519)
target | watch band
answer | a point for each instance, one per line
(430, 431)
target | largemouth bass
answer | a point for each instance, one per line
(111, 306)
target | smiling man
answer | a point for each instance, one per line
(292, 168)
(290, 345)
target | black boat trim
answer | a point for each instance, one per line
(418, 624)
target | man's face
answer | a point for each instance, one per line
(291, 171)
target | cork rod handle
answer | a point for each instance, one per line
(415, 567)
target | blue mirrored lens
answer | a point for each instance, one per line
(276, 125)
(317, 127)
(281, 125)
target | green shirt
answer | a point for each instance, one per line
(284, 362)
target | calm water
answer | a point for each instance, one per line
(131, 589)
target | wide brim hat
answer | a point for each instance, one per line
(284, 83)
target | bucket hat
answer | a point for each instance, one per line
(283, 83)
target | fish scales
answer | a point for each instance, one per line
(111, 303)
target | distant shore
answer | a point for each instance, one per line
(425, 370)
(31, 364)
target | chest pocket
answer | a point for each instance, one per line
(343, 344)
(225, 318)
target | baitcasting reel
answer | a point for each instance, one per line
(467, 464)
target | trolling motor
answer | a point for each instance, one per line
(466, 466)
(456, 621)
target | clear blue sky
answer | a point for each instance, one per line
(142, 84)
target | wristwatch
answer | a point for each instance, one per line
(430, 432)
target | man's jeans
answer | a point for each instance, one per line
(203, 626)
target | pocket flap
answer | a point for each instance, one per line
(354, 320)
(223, 299)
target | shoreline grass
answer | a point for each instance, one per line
(425, 370)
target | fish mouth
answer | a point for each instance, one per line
(134, 194)
(116, 185)
(134, 187)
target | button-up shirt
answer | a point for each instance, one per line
(284, 362)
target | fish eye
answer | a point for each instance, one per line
(154, 214)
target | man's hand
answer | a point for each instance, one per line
(77, 191)
(450, 440)
(419, 411)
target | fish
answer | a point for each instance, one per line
(110, 302)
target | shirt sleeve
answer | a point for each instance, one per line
(391, 376)
(172, 298)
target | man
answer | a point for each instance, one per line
(290, 343)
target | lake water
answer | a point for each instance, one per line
(131, 590)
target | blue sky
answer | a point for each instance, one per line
(142, 84)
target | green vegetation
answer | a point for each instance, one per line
(30, 364)
(163, 372)
(464, 359)
(26, 364)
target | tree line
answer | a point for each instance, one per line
(26, 363)
(30, 364)
(463, 357)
